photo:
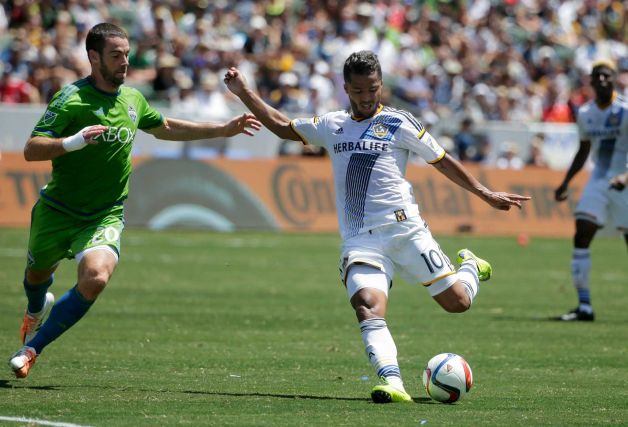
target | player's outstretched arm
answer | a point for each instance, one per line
(185, 130)
(277, 122)
(453, 170)
(560, 194)
(40, 148)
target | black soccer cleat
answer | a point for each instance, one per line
(575, 315)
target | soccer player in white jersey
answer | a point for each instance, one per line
(379, 220)
(603, 128)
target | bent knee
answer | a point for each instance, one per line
(367, 311)
(369, 304)
(453, 302)
(93, 281)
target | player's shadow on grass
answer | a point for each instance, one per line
(8, 384)
(530, 318)
(297, 396)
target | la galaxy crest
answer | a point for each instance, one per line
(380, 130)
(614, 118)
(132, 113)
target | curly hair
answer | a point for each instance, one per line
(361, 63)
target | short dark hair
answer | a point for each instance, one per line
(99, 33)
(361, 63)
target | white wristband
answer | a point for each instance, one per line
(74, 142)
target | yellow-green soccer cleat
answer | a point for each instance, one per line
(484, 268)
(385, 393)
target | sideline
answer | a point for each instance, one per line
(40, 422)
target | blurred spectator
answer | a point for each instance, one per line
(413, 88)
(508, 157)
(257, 39)
(14, 90)
(556, 108)
(288, 96)
(464, 141)
(536, 152)
(482, 154)
(164, 83)
(486, 60)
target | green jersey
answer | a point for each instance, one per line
(88, 182)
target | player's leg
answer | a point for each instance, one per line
(421, 259)
(580, 271)
(591, 214)
(458, 297)
(97, 248)
(40, 301)
(96, 245)
(367, 287)
(48, 245)
(94, 272)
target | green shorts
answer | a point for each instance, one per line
(55, 235)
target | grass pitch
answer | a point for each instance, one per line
(252, 329)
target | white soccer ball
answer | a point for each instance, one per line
(447, 377)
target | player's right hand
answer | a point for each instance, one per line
(91, 132)
(235, 81)
(560, 194)
(83, 137)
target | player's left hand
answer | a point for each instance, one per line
(242, 124)
(618, 182)
(504, 201)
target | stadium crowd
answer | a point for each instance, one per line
(479, 60)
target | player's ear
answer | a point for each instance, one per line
(93, 55)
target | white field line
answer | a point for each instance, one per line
(40, 422)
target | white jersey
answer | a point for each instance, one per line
(607, 129)
(369, 159)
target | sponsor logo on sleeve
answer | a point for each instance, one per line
(49, 118)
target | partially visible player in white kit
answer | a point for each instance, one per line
(379, 220)
(603, 129)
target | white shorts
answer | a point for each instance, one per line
(598, 203)
(407, 248)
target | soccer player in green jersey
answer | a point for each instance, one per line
(87, 131)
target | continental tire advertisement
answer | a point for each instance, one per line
(297, 194)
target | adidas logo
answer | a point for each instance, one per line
(99, 112)
(339, 131)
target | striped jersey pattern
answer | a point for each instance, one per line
(607, 129)
(369, 159)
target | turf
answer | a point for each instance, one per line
(251, 329)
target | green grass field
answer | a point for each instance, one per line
(248, 329)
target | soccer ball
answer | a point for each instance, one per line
(447, 377)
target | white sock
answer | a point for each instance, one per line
(381, 350)
(468, 275)
(581, 267)
(580, 270)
